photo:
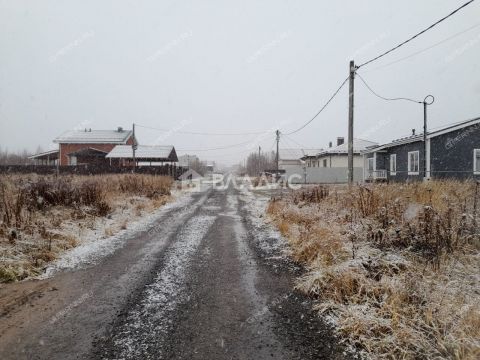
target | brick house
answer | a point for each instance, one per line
(76, 146)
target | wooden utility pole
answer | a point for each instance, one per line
(134, 146)
(350, 121)
(277, 156)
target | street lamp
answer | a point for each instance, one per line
(429, 99)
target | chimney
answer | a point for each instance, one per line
(340, 140)
(330, 144)
(413, 132)
(120, 129)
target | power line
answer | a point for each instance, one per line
(200, 133)
(385, 98)
(425, 49)
(323, 108)
(416, 35)
(218, 148)
(296, 142)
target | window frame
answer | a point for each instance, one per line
(413, 172)
(372, 161)
(476, 154)
(393, 157)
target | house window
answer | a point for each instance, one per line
(393, 164)
(324, 162)
(370, 164)
(414, 163)
(476, 161)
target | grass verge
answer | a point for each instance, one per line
(42, 216)
(394, 266)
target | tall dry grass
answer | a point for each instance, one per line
(35, 209)
(396, 267)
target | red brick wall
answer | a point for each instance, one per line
(66, 149)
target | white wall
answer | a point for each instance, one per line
(320, 175)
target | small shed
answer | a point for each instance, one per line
(144, 155)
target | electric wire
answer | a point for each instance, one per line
(415, 36)
(323, 108)
(200, 133)
(425, 49)
(385, 98)
(218, 148)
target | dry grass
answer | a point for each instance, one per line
(396, 267)
(41, 216)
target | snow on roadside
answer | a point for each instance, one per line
(94, 247)
(267, 237)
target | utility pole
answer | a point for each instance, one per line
(350, 121)
(276, 157)
(134, 147)
(426, 152)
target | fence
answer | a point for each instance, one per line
(92, 169)
(322, 175)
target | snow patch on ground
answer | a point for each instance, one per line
(94, 247)
(270, 241)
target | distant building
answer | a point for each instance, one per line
(289, 159)
(186, 160)
(337, 157)
(86, 146)
(451, 152)
(318, 166)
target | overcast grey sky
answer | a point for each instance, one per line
(229, 66)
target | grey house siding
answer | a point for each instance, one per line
(402, 161)
(452, 153)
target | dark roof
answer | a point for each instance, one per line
(92, 152)
(431, 134)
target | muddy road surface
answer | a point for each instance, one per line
(207, 280)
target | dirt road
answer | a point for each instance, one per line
(206, 281)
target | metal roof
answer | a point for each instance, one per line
(358, 146)
(158, 152)
(89, 136)
(296, 154)
(431, 134)
(53, 154)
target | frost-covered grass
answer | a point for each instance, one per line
(394, 267)
(43, 216)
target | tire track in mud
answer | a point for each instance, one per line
(146, 324)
